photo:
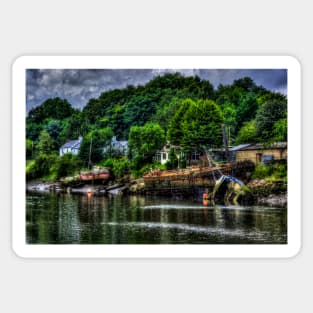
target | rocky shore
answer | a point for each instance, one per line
(261, 192)
(42, 186)
(268, 193)
(95, 189)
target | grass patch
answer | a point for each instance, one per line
(271, 172)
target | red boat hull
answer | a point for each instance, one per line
(95, 176)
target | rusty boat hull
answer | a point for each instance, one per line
(95, 175)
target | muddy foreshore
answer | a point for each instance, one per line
(260, 192)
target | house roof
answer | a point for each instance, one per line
(260, 146)
(73, 144)
(168, 147)
(240, 147)
(123, 143)
(119, 143)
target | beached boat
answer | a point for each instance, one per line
(96, 174)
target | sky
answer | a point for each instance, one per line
(80, 85)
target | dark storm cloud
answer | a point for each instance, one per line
(80, 85)
(275, 80)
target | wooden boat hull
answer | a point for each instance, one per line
(105, 175)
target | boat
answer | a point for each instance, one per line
(96, 174)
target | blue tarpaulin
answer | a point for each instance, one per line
(231, 178)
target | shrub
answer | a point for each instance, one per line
(120, 167)
(41, 166)
(67, 165)
(262, 171)
(148, 167)
(280, 171)
(51, 167)
(29, 149)
(271, 172)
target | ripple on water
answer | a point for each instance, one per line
(201, 207)
(238, 233)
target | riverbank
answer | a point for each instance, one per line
(43, 186)
(84, 188)
(271, 193)
(261, 191)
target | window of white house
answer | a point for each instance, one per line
(195, 156)
(164, 156)
(158, 156)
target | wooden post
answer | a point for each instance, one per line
(225, 142)
(90, 147)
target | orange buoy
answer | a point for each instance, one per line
(205, 202)
(205, 196)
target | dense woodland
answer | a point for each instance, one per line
(186, 111)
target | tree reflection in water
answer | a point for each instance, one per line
(76, 219)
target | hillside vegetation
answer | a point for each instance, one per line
(187, 111)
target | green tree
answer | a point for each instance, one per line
(245, 83)
(229, 94)
(266, 95)
(41, 167)
(117, 123)
(229, 113)
(165, 112)
(172, 162)
(269, 113)
(247, 133)
(175, 132)
(33, 130)
(93, 145)
(139, 110)
(54, 127)
(45, 144)
(73, 127)
(135, 106)
(67, 165)
(120, 167)
(246, 109)
(280, 130)
(54, 108)
(145, 140)
(29, 149)
(201, 125)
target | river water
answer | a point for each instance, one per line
(81, 219)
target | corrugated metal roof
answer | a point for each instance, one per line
(240, 147)
(261, 146)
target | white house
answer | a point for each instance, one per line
(162, 156)
(120, 146)
(72, 146)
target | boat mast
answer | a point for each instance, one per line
(90, 147)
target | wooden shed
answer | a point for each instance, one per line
(257, 152)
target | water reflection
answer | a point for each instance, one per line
(65, 218)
